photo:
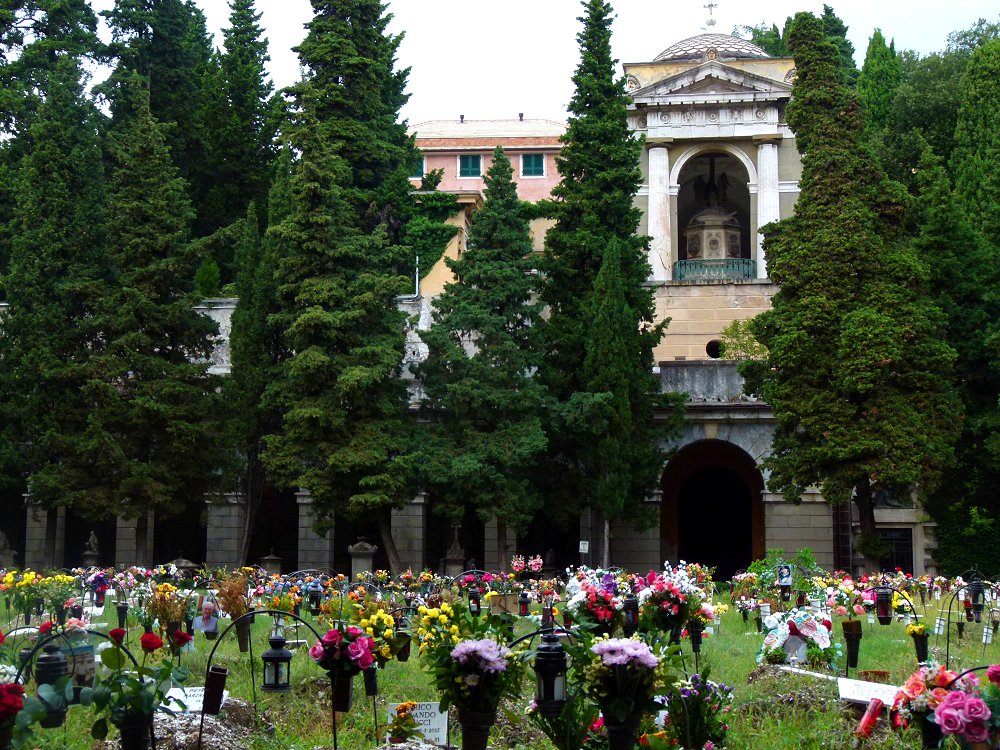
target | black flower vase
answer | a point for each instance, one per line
(621, 734)
(930, 733)
(371, 681)
(920, 646)
(122, 610)
(134, 731)
(696, 630)
(760, 624)
(961, 629)
(243, 634)
(61, 615)
(476, 727)
(76, 611)
(343, 691)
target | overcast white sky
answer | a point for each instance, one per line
(495, 58)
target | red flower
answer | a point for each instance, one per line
(150, 642)
(117, 635)
(2, 638)
(11, 701)
(45, 628)
(180, 638)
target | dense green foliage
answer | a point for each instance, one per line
(880, 78)
(484, 430)
(594, 210)
(856, 371)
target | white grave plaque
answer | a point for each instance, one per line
(433, 723)
(190, 698)
(860, 691)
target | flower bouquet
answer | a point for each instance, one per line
(812, 644)
(697, 710)
(343, 653)
(622, 677)
(403, 726)
(668, 599)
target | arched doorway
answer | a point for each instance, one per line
(713, 509)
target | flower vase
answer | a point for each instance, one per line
(99, 599)
(695, 631)
(920, 645)
(134, 731)
(122, 611)
(243, 635)
(343, 691)
(852, 637)
(621, 734)
(76, 611)
(476, 727)
(930, 733)
(6, 733)
(758, 621)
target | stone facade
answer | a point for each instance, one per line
(226, 516)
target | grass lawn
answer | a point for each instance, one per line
(771, 711)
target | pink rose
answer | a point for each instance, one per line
(993, 673)
(333, 638)
(949, 719)
(356, 650)
(955, 699)
(840, 611)
(366, 660)
(976, 709)
(317, 651)
(976, 731)
(859, 609)
(354, 632)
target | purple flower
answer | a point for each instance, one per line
(976, 710)
(481, 655)
(625, 652)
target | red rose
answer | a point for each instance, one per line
(2, 638)
(118, 635)
(45, 628)
(150, 642)
(11, 701)
(180, 638)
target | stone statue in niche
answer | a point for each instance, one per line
(732, 246)
(723, 190)
(694, 247)
(91, 545)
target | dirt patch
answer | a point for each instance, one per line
(231, 729)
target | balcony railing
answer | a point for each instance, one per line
(712, 269)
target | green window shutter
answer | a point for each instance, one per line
(418, 169)
(533, 165)
(470, 166)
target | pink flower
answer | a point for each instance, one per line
(949, 719)
(976, 709)
(955, 699)
(993, 673)
(333, 638)
(976, 731)
(859, 609)
(353, 632)
(317, 651)
(356, 650)
(840, 611)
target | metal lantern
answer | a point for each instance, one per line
(475, 601)
(550, 668)
(978, 592)
(49, 667)
(630, 608)
(523, 604)
(883, 604)
(315, 598)
(404, 651)
(277, 666)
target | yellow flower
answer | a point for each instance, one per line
(443, 620)
(387, 634)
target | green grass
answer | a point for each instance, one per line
(771, 713)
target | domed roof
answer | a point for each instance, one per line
(695, 47)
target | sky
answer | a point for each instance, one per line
(489, 59)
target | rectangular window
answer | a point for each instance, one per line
(418, 169)
(470, 165)
(532, 165)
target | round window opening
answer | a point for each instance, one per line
(714, 349)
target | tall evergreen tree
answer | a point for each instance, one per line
(594, 208)
(240, 122)
(342, 400)
(964, 279)
(836, 33)
(152, 431)
(349, 60)
(977, 142)
(53, 287)
(880, 78)
(857, 372)
(484, 405)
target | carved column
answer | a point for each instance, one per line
(658, 215)
(768, 204)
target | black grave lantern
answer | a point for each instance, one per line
(475, 601)
(883, 604)
(277, 666)
(550, 669)
(630, 609)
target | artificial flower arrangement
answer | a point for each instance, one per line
(403, 726)
(595, 599)
(900, 605)
(668, 599)
(916, 629)
(11, 703)
(623, 676)
(924, 690)
(23, 589)
(697, 713)
(744, 586)
(373, 618)
(57, 591)
(165, 604)
(821, 650)
(343, 652)
(233, 595)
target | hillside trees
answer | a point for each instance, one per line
(856, 371)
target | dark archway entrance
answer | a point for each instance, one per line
(713, 508)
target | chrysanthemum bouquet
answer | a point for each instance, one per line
(622, 677)
(697, 714)
(477, 674)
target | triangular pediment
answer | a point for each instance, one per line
(712, 78)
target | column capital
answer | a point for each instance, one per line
(764, 139)
(659, 142)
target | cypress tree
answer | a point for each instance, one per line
(594, 208)
(483, 403)
(881, 76)
(152, 433)
(836, 33)
(977, 142)
(342, 401)
(856, 372)
(53, 288)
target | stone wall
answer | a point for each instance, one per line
(792, 527)
(226, 516)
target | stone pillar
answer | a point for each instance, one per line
(132, 545)
(315, 551)
(658, 214)
(496, 558)
(409, 531)
(44, 537)
(226, 517)
(768, 203)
